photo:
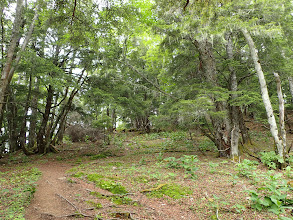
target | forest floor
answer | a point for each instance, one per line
(156, 176)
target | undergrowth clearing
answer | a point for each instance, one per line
(156, 176)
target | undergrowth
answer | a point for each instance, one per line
(272, 193)
(16, 190)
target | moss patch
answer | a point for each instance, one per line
(110, 185)
(96, 205)
(172, 190)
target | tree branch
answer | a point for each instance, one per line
(149, 81)
(73, 13)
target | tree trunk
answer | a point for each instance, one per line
(114, 118)
(12, 123)
(15, 37)
(221, 126)
(2, 35)
(41, 136)
(61, 118)
(233, 109)
(23, 129)
(264, 92)
(1, 10)
(33, 117)
(8, 70)
(60, 133)
(281, 111)
(290, 79)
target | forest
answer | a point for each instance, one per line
(147, 101)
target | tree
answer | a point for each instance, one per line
(13, 58)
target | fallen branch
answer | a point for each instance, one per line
(154, 189)
(112, 195)
(224, 150)
(122, 215)
(78, 211)
(265, 127)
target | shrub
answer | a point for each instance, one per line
(187, 162)
(246, 168)
(270, 159)
(206, 145)
(272, 195)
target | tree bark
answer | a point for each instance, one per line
(290, 79)
(1, 10)
(61, 118)
(233, 109)
(23, 129)
(33, 117)
(41, 144)
(12, 60)
(12, 123)
(114, 118)
(221, 126)
(2, 34)
(264, 92)
(15, 37)
(281, 111)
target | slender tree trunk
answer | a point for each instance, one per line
(33, 117)
(1, 10)
(290, 79)
(114, 118)
(60, 133)
(61, 118)
(2, 35)
(43, 128)
(281, 111)
(8, 70)
(233, 109)
(12, 123)
(23, 129)
(264, 92)
(15, 37)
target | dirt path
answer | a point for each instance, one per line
(55, 196)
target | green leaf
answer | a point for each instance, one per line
(276, 201)
(257, 206)
(275, 209)
(266, 202)
(285, 218)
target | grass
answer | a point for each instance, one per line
(17, 187)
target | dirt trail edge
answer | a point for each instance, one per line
(55, 197)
